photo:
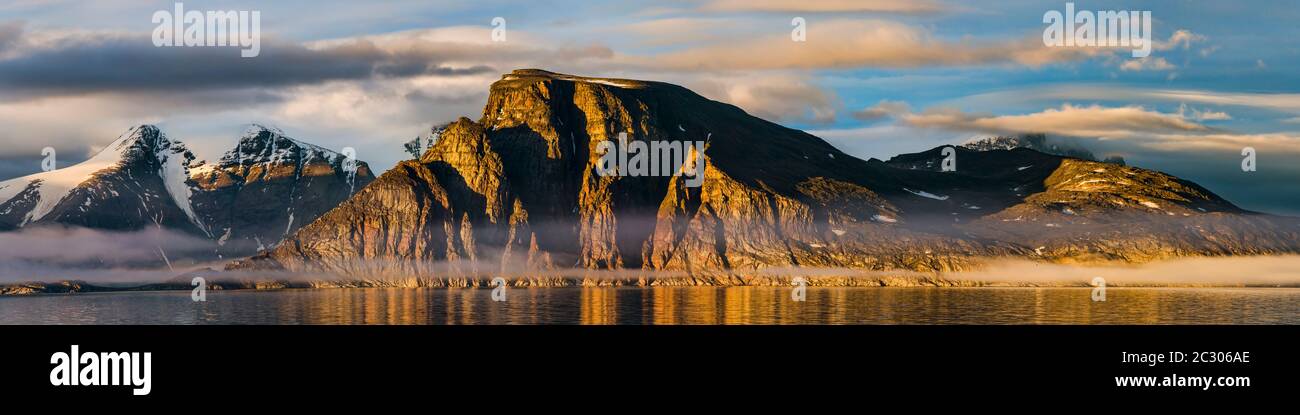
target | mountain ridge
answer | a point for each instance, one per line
(516, 193)
(144, 178)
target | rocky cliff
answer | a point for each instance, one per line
(517, 193)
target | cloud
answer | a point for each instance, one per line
(1202, 115)
(1147, 64)
(83, 62)
(1246, 270)
(1284, 102)
(883, 109)
(10, 33)
(1181, 38)
(827, 6)
(367, 92)
(1072, 120)
(77, 246)
(856, 44)
(774, 97)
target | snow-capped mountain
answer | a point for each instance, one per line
(269, 185)
(266, 187)
(139, 180)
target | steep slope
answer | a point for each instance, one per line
(270, 185)
(518, 191)
(267, 187)
(138, 180)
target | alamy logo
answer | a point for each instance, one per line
(657, 158)
(178, 27)
(1107, 28)
(949, 162)
(499, 293)
(102, 369)
(1099, 289)
(50, 163)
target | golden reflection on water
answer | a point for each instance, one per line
(668, 305)
(773, 305)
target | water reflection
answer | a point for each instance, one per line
(668, 305)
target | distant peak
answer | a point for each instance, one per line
(259, 130)
(146, 138)
(260, 143)
(147, 129)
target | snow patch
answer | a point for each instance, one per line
(926, 194)
(175, 176)
(883, 218)
(288, 226)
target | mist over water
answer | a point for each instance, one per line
(1282, 270)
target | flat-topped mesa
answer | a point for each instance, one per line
(532, 75)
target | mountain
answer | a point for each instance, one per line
(270, 185)
(1074, 210)
(266, 187)
(1037, 142)
(517, 192)
(139, 180)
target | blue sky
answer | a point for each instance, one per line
(876, 77)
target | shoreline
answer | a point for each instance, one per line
(81, 287)
(1194, 272)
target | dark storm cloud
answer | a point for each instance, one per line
(134, 64)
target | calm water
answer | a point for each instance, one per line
(665, 305)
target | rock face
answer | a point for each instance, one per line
(265, 188)
(518, 192)
(270, 185)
